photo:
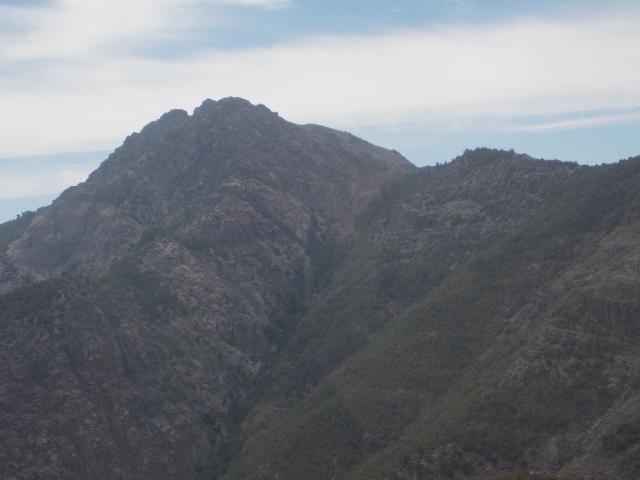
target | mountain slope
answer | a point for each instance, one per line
(234, 296)
(173, 274)
(521, 357)
(559, 389)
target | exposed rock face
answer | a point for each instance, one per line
(234, 296)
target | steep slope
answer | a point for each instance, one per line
(418, 234)
(522, 356)
(138, 308)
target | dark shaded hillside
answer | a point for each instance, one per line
(425, 229)
(234, 296)
(522, 355)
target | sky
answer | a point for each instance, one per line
(430, 78)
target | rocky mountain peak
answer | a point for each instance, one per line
(177, 172)
(173, 117)
(229, 105)
(211, 118)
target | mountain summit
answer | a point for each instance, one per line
(230, 295)
(230, 164)
(159, 288)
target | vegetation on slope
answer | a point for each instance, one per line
(489, 361)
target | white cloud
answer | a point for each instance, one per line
(76, 28)
(591, 120)
(258, 3)
(86, 96)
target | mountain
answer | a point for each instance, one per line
(233, 296)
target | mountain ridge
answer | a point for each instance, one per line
(231, 295)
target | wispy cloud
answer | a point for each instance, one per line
(64, 29)
(88, 94)
(586, 120)
(258, 3)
